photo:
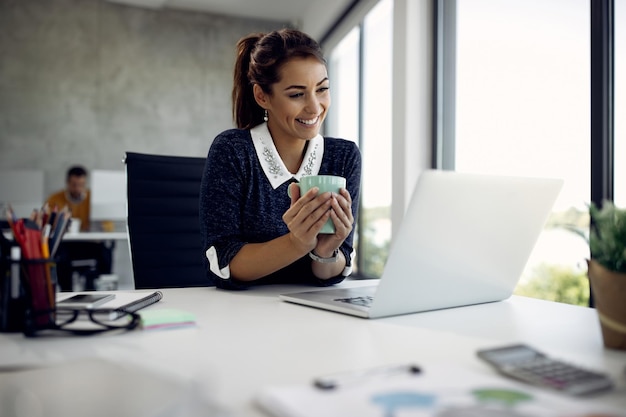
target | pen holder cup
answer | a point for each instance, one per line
(27, 294)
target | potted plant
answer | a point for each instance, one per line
(607, 271)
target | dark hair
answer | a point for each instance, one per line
(76, 171)
(259, 59)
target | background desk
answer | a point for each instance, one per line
(246, 340)
(122, 266)
(95, 236)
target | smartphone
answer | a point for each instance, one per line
(527, 364)
(87, 301)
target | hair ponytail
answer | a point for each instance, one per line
(259, 58)
(244, 104)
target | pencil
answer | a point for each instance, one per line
(45, 252)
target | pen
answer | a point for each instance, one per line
(19, 233)
(11, 218)
(59, 230)
(334, 381)
(45, 254)
(45, 235)
(16, 255)
(53, 216)
(45, 213)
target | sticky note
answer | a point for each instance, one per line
(166, 318)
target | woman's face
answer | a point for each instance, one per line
(298, 103)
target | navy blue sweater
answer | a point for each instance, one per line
(239, 205)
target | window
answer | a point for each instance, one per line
(376, 143)
(522, 108)
(620, 104)
(343, 120)
(361, 66)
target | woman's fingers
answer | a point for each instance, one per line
(299, 203)
(342, 219)
(342, 206)
(306, 216)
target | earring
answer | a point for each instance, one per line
(265, 118)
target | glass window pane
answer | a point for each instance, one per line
(376, 139)
(343, 120)
(522, 99)
(361, 92)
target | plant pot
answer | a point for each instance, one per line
(609, 294)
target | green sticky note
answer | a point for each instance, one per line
(166, 318)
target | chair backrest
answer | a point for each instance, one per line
(163, 220)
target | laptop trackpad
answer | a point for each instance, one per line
(342, 299)
(363, 296)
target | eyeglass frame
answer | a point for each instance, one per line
(31, 329)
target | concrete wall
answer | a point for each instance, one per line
(84, 81)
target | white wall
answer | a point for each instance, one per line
(84, 81)
(22, 190)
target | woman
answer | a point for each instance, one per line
(253, 232)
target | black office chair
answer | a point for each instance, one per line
(163, 220)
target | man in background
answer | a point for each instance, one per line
(84, 259)
(75, 196)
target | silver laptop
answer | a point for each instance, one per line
(465, 239)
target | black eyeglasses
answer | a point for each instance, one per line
(81, 322)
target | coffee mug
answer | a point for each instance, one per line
(325, 183)
(74, 225)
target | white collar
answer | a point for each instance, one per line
(274, 167)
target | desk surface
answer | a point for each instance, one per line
(84, 236)
(246, 340)
(95, 236)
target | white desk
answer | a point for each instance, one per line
(95, 236)
(122, 264)
(247, 340)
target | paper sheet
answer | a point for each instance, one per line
(440, 391)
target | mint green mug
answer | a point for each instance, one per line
(325, 183)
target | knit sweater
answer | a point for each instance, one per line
(243, 197)
(79, 209)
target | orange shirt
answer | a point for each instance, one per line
(79, 210)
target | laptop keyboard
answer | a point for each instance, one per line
(363, 301)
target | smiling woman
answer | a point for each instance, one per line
(254, 232)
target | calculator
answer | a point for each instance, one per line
(527, 364)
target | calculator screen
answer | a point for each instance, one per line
(514, 354)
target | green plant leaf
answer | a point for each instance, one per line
(607, 238)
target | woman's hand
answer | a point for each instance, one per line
(308, 214)
(305, 218)
(341, 216)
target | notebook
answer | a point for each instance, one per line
(465, 239)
